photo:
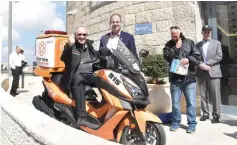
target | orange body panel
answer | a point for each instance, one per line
(101, 74)
(142, 116)
(57, 94)
(46, 72)
(112, 100)
(126, 122)
(106, 130)
(97, 113)
(59, 46)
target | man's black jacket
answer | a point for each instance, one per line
(72, 61)
(188, 50)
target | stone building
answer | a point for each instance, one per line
(161, 14)
(190, 16)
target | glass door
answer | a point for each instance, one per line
(222, 17)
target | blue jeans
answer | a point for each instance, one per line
(189, 90)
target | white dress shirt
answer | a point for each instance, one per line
(23, 58)
(205, 49)
(113, 41)
(15, 60)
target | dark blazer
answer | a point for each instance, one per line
(214, 56)
(72, 61)
(125, 37)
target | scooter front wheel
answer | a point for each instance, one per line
(155, 135)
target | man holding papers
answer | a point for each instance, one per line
(182, 56)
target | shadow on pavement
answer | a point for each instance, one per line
(181, 125)
(229, 121)
(234, 135)
(22, 91)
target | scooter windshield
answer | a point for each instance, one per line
(125, 56)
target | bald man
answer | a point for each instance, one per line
(78, 56)
(183, 49)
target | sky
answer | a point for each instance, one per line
(29, 18)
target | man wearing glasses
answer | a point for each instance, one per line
(183, 49)
(110, 40)
(209, 74)
(78, 56)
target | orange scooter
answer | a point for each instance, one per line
(119, 114)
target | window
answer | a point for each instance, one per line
(232, 7)
(205, 13)
(233, 13)
(234, 26)
(233, 20)
(98, 4)
(235, 38)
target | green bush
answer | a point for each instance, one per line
(156, 66)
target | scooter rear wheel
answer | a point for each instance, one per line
(155, 135)
(41, 106)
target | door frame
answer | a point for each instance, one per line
(212, 15)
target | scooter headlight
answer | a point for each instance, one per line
(134, 91)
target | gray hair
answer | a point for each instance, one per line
(75, 32)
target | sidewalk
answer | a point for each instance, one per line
(33, 87)
(224, 133)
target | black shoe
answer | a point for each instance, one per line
(215, 120)
(204, 118)
(14, 94)
(84, 122)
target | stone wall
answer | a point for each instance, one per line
(162, 15)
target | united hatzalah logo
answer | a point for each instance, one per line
(41, 48)
(62, 44)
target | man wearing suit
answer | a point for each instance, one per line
(110, 40)
(209, 74)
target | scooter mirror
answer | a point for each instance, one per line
(143, 53)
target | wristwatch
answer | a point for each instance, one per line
(207, 64)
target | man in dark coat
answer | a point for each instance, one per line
(78, 56)
(184, 49)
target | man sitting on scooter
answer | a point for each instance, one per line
(78, 55)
